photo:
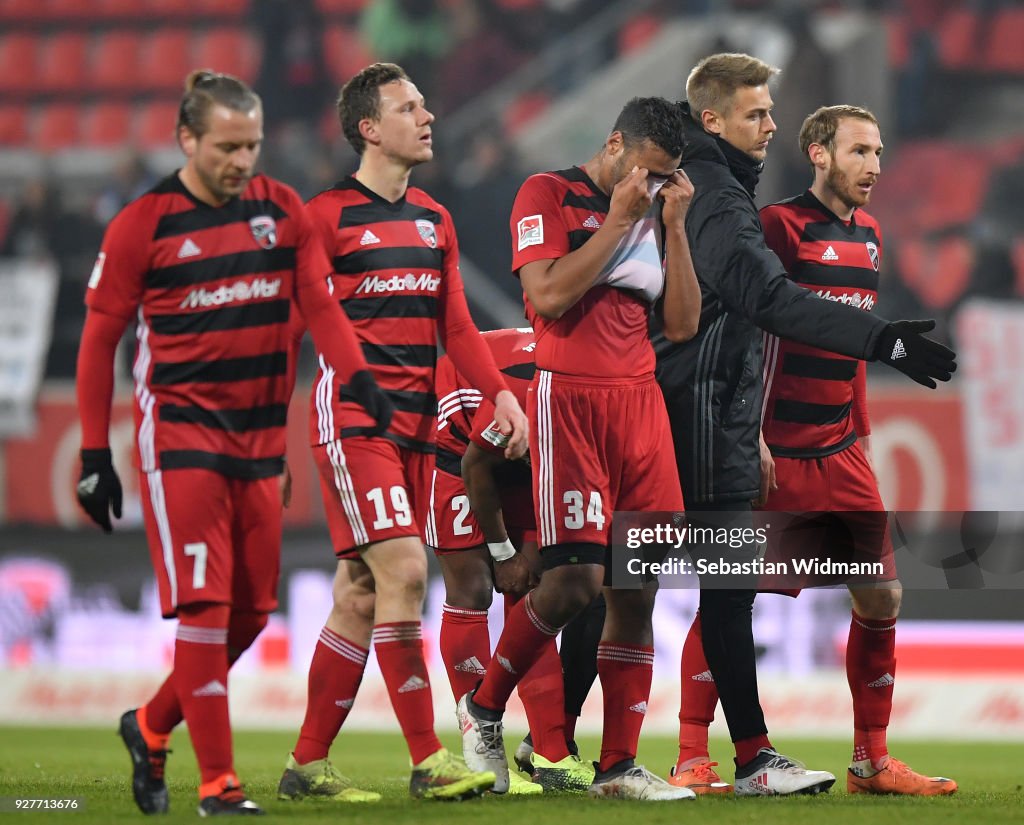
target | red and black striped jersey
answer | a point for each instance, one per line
(212, 289)
(463, 414)
(396, 267)
(605, 333)
(808, 392)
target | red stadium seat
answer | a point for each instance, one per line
(13, 125)
(224, 8)
(165, 60)
(172, 8)
(898, 40)
(69, 9)
(18, 54)
(227, 50)
(344, 53)
(119, 9)
(62, 62)
(57, 127)
(959, 39)
(155, 128)
(20, 10)
(523, 109)
(115, 65)
(938, 272)
(638, 32)
(107, 125)
(1005, 52)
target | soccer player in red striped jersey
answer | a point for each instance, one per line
(816, 426)
(481, 517)
(396, 272)
(212, 262)
(595, 256)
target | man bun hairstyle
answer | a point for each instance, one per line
(715, 79)
(652, 118)
(821, 125)
(205, 89)
(360, 99)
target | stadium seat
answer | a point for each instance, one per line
(62, 62)
(18, 63)
(636, 33)
(959, 39)
(224, 8)
(57, 127)
(20, 10)
(155, 127)
(937, 271)
(227, 50)
(69, 10)
(107, 125)
(13, 124)
(344, 52)
(184, 9)
(165, 60)
(523, 109)
(897, 40)
(115, 65)
(119, 9)
(1005, 52)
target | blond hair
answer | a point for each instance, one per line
(821, 125)
(715, 79)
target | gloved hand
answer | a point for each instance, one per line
(903, 347)
(99, 488)
(364, 389)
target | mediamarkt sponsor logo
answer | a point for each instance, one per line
(400, 283)
(238, 291)
(855, 300)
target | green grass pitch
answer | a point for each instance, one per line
(94, 765)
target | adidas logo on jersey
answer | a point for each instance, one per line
(639, 707)
(592, 223)
(829, 254)
(400, 283)
(414, 682)
(505, 663)
(898, 351)
(238, 291)
(188, 249)
(703, 677)
(885, 680)
(368, 238)
(471, 665)
(345, 703)
(212, 688)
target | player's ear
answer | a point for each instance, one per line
(819, 156)
(187, 140)
(615, 143)
(369, 130)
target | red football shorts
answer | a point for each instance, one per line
(452, 527)
(856, 528)
(598, 445)
(373, 490)
(213, 538)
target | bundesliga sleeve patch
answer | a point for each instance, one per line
(531, 231)
(97, 270)
(492, 435)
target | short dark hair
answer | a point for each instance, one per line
(360, 99)
(205, 89)
(654, 119)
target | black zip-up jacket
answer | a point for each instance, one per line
(712, 383)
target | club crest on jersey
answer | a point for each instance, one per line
(873, 254)
(264, 231)
(531, 231)
(427, 232)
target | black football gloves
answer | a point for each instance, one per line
(362, 387)
(99, 488)
(903, 347)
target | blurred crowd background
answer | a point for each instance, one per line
(89, 91)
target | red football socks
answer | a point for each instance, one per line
(625, 672)
(334, 677)
(201, 682)
(465, 647)
(521, 644)
(698, 697)
(399, 648)
(871, 672)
